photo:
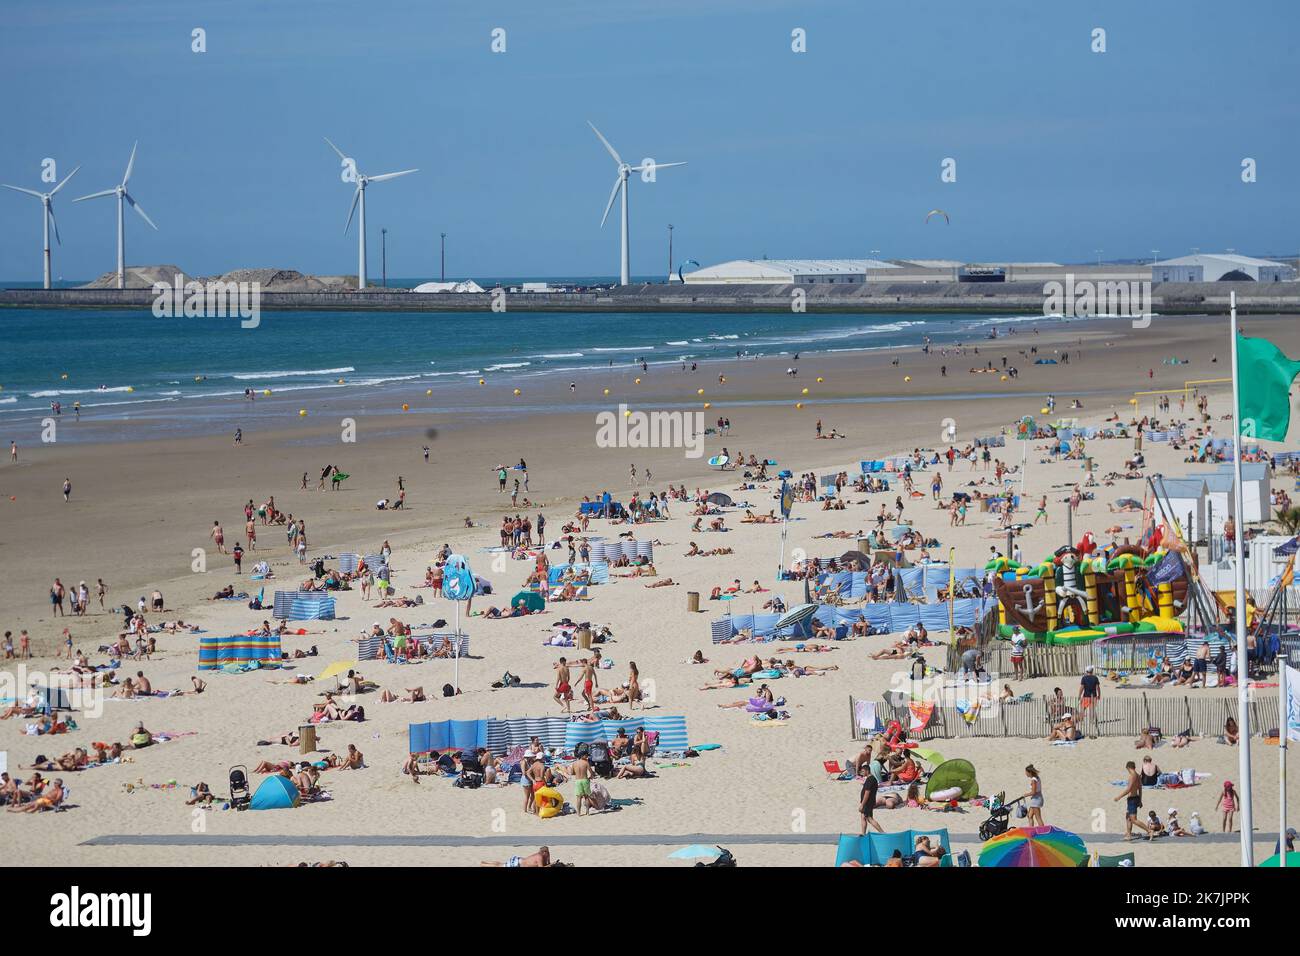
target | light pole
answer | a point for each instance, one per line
(383, 247)
(1099, 252)
(444, 257)
(1155, 255)
(670, 252)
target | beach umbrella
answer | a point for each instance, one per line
(862, 559)
(719, 499)
(459, 584)
(1292, 859)
(796, 614)
(695, 851)
(1127, 503)
(1034, 846)
(338, 667)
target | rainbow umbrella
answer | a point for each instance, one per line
(1034, 846)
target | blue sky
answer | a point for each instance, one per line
(833, 152)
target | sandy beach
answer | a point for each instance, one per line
(139, 508)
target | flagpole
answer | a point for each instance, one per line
(1243, 665)
(1281, 760)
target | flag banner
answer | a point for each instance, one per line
(1264, 377)
(1169, 569)
(787, 499)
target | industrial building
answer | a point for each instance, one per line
(787, 271)
(1220, 267)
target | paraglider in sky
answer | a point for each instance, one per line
(938, 212)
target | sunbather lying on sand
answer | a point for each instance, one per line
(665, 583)
(414, 695)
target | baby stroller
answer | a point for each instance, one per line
(240, 797)
(999, 814)
(601, 761)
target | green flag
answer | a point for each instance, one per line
(1264, 377)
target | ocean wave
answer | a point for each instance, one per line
(249, 376)
(631, 348)
(678, 342)
(562, 355)
(501, 367)
(8, 401)
(468, 371)
(55, 392)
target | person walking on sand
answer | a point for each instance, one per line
(588, 678)
(867, 804)
(632, 475)
(67, 488)
(239, 436)
(1034, 797)
(13, 451)
(1228, 803)
(1042, 510)
(1089, 698)
(563, 689)
(101, 589)
(218, 535)
(250, 530)
(1132, 794)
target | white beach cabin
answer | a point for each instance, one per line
(1183, 498)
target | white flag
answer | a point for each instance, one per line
(1292, 703)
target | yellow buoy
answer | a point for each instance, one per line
(1004, 378)
(798, 404)
(428, 391)
(64, 375)
(130, 388)
(708, 404)
(606, 391)
(481, 382)
(907, 378)
(517, 392)
(198, 378)
(1044, 411)
(638, 381)
(805, 391)
(627, 413)
(820, 379)
(722, 380)
(1132, 401)
(266, 391)
(302, 413)
(699, 391)
(405, 407)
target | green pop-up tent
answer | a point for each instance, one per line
(529, 599)
(953, 773)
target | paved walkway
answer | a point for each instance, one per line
(504, 840)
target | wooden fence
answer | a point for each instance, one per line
(1121, 714)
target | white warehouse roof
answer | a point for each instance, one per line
(783, 270)
(1216, 257)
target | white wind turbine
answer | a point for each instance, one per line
(360, 197)
(620, 182)
(47, 216)
(122, 195)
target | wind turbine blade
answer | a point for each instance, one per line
(65, 181)
(355, 196)
(138, 208)
(613, 152)
(106, 192)
(618, 181)
(335, 148)
(130, 164)
(381, 178)
(648, 166)
(55, 223)
(19, 189)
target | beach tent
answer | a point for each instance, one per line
(275, 793)
(719, 499)
(529, 599)
(1181, 498)
(874, 849)
(953, 773)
